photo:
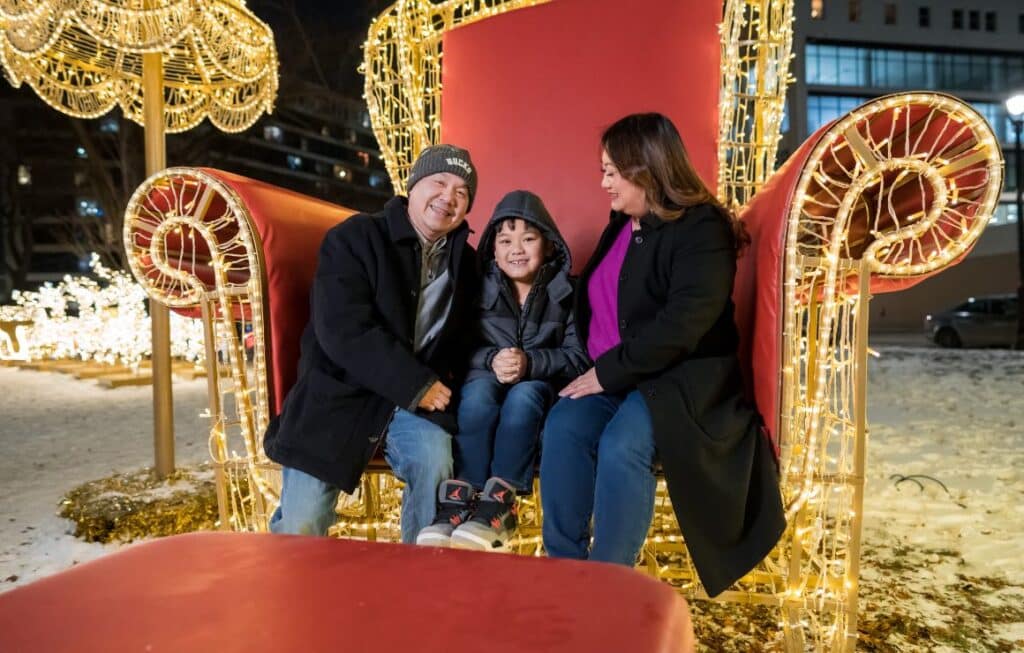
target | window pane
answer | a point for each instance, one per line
(924, 17)
(890, 13)
(974, 19)
(851, 67)
(830, 65)
(917, 72)
(990, 21)
(958, 19)
(822, 109)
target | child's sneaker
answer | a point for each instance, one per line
(453, 509)
(494, 521)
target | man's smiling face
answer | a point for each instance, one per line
(438, 203)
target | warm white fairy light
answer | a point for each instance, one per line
(756, 39)
(818, 431)
(810, 571)
(219, 59)
(168, 217)
(402, 67)
(101, 318)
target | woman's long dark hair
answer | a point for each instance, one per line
(648, 151)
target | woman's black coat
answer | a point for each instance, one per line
(678, 348)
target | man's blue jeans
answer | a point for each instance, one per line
(419, 453)
(598, 460)
(499, 428)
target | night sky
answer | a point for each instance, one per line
(334, 31)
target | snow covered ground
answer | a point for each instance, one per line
(944, 503)
(948, 562)
(57, 432)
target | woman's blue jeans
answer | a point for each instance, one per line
(499, 429)
(418, 451)
(598, 461)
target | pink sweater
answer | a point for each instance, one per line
(603, 294)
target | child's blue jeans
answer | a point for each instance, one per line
(499, 429)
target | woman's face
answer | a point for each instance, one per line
(625, 196)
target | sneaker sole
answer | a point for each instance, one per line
(473, 542)
(433, 539)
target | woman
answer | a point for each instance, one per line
(655, 313)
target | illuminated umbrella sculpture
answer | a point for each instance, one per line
(168, 64)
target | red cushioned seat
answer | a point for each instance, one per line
(250, 593)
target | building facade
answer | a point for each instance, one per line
(64, 183)
(849, 51)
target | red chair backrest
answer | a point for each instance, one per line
(529, 93)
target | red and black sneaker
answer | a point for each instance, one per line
(454, 507)
(493, 523)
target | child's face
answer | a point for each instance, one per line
(519, 250)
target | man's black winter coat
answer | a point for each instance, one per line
(357, 363)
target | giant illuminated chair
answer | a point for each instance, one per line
(878, 200)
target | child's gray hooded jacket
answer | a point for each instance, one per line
(544, 328)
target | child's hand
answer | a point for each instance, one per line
(509, 365)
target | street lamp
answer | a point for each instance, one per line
(1015, 107)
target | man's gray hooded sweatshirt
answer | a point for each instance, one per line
(543, 327)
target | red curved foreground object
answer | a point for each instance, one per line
(229, 592)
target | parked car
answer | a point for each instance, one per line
(979, 322)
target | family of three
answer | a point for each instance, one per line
(461, 365)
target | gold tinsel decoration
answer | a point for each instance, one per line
(126, 507)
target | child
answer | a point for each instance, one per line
(528, 348)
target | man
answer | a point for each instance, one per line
(392, 292)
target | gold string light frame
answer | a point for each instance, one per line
(895, 190)
(84, 57)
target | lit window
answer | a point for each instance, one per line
(364, 157)
(294, 162)
(817, 9)
(342, 173)
(89, 209)
(80, 152)
(110, 125)
(273, 134)
(377, 180)
(24, 175)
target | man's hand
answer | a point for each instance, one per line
(583, 385)
(437, 397)
(509, 365)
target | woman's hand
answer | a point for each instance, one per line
(583, 385)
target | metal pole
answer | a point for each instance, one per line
(156, 160)
(1018, 162)
(860, 420)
